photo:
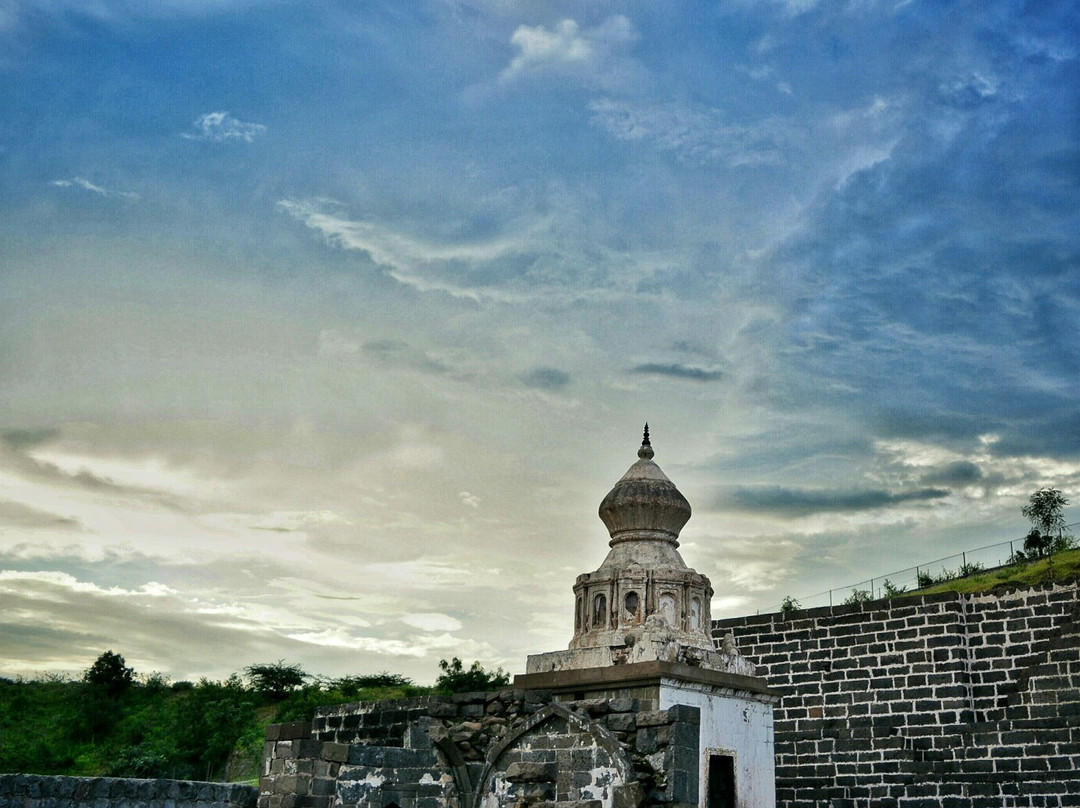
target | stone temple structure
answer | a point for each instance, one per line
(643, 604)
(641, 711)
(643, 628)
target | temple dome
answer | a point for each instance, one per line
(644, 505)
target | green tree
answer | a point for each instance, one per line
(276, 679)
(789, 605)
(456, 679)
(351, 686)
(110, 672)
(1046, 512)
(892, 590)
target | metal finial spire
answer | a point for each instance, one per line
(646, 450)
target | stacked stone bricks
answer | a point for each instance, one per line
(942, 700)
(299, 771)
(38, 791)
(466, 751)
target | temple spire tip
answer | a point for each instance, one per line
(646, 450)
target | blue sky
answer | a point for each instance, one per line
(325, 327)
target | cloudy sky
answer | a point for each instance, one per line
(325, 326)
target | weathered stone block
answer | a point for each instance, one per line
(521, 772)
(334, 752)
(653, 718)
(645, 741)
(445, 710)
(683, 712)
(631, 795)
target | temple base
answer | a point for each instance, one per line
(735, 740)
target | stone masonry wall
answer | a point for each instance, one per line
(970, 701)
(40, 791)
(486, 750)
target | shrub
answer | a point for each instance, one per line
(455, 679)
(857, 596)
(276, 679)
(352, 686)
(891, 590)
(110, 672)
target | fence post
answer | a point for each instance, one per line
(871, 589)
(830, 598)
(963, 558)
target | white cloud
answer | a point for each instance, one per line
(415, 262)
(697, 134)
(469, 500)
(416, 646)
(287, 521)
(542, 49)
(147, 474)
(86, 185)
(221, 127)
(432, 621)
(333, 343)
(54, 581)
(567, 50)
(423, 573)
(789, 8)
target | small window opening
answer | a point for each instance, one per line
(667, 609)
(632, 603)
(599, 617)
(721, 781)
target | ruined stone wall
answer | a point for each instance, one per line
(959, 700)
(40, 791)
(486, 750)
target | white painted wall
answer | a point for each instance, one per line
(735, 726)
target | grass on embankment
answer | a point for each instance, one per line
(1063, 566)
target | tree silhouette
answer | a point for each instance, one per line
(110, 672)
(455, 678)
(1046, 512)
(276, 679)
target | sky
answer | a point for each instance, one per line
(326, 326)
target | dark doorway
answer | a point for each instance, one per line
(721, 781)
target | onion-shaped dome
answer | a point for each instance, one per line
(644, 505)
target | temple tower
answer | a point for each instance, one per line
(642, 632)
(643, 603)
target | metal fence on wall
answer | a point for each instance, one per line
(985, 559)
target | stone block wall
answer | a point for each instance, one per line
(970, 701)
(298, 771)
(40, 791)
(514, 748)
